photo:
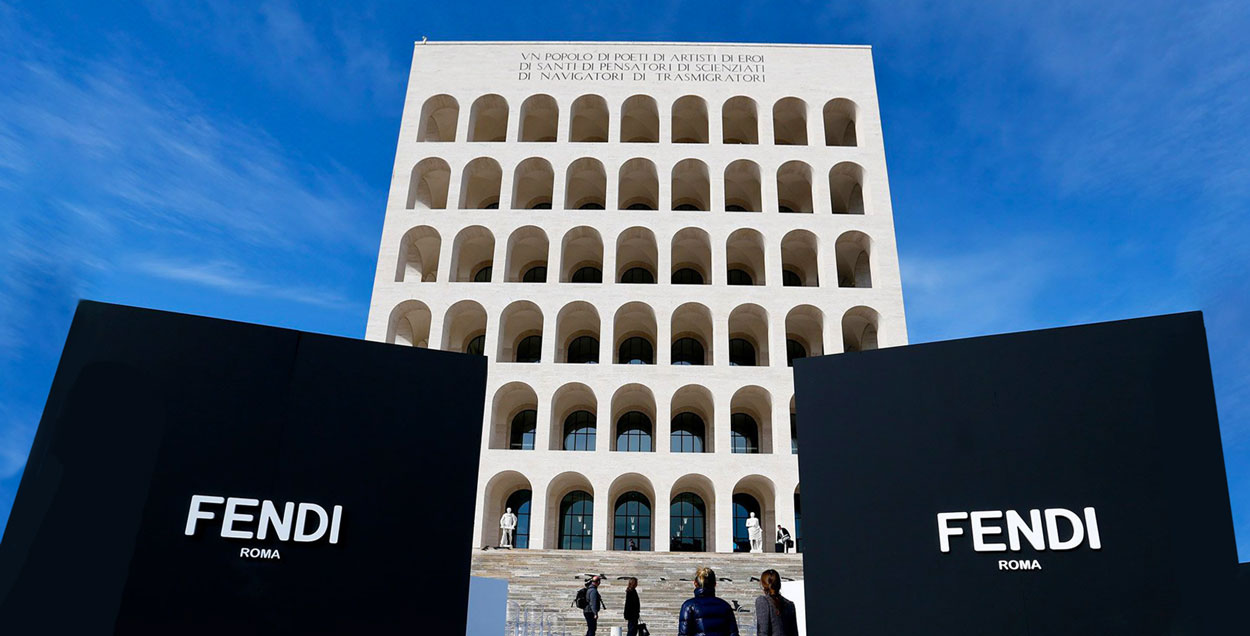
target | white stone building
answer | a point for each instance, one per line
(688, 216)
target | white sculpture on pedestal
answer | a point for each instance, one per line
(507, 525)
(755, 533)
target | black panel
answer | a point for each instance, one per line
(1115, 416)
(149, 408)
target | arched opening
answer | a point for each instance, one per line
(692, 515)
(418, 255)
(744, 256)
(409, 324)
(859, 329)
(799, 264)
(586, 185)
(692, 191)
(633, 419)
(508, 489)
(740, 122)
(798, 522)
(751, 426)
(590, 119)
(846, 188)
(514, 417)
(790, 122)
(794, 429)
(632, 520)
(634, 332)
(692, 409)
(427, 188)
(488, 119)
(439, 115)
(471, 255)
(748, 324)
(689, 120)
(479, 187)
(853, 249)
(532, 185)
(539, 117)
(581, 256)
(636, 256)
(742, 187)
(527, 256)
(577, 330)
(573, 409)
(692, 335)
(521, 332)
(804, 333)
(639, 186)
(464, 328)
(794, 187)
(840, 123)
(640, 120)
(575, 518)
(754, 494)
(692, 257)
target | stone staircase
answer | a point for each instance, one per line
(549, 579)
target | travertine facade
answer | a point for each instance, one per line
(746, 182)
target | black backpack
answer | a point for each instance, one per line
(580, 600)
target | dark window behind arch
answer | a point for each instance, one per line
(744, 505)
(535, 274)
(744, 434)
(794, 351)
(583, 350)
(636, 350)
(688, 523)
(579, 431)
(631, 523)
(482, 275)
(577, 511)
(633, 433)
(587, 274)
(741, 353)
(529, 349)
(740, 277)
(519, 502)
(476, 345)
(638, 276)
(790, 278)
(688, 351)
(687, 276)
(688, 433)
(524, 426)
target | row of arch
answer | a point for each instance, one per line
(638, 186)
(639, 118)
(637, 257)
(687, 517)
(634, 336)
(694, 426)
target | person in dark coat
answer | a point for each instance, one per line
(706, 615)
(774, 614)
(594, 603)
(633, 607)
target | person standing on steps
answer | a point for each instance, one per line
(594, 603)
(774, 614)
(783, 539)
(706, 615)
(633, 607)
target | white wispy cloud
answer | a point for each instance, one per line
(233, 279)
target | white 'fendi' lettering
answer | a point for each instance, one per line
(309, 522)
(1043, 529)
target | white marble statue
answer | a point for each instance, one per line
(755, 533)
(507, 525)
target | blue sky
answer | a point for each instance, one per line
(1051, 163)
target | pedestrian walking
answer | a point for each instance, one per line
(706, 615)
(633, 607)
(590, 602)
(774, 614)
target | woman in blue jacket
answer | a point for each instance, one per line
(706, 615)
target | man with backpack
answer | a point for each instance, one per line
(589, 601)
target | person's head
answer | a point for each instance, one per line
(771, 582)
(705, 578)
(633, 583)
(594, 580)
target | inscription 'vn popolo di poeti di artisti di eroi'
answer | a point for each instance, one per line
(641, 67)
